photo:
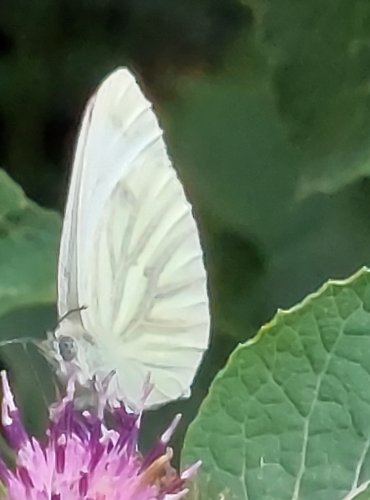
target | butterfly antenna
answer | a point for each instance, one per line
(68, 313)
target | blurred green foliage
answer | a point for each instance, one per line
(266, 107)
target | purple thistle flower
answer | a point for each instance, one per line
(83, 459)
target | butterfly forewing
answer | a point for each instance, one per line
(136, 249)
(67, 266)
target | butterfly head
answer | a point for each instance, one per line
(67, 348)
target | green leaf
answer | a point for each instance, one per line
(289, 416)
(29, 237)
(363, 494)
(31, 377)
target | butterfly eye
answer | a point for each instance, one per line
(67, 348)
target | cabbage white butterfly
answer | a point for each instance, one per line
(131, 279)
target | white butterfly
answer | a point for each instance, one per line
(130, 264)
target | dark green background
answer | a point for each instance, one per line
(266, 109)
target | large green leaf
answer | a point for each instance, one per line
(29, 238)
(289, 416)
(28, 248)
(363, 494)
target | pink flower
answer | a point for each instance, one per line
(84, 459)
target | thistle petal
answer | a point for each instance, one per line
(83, 458)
